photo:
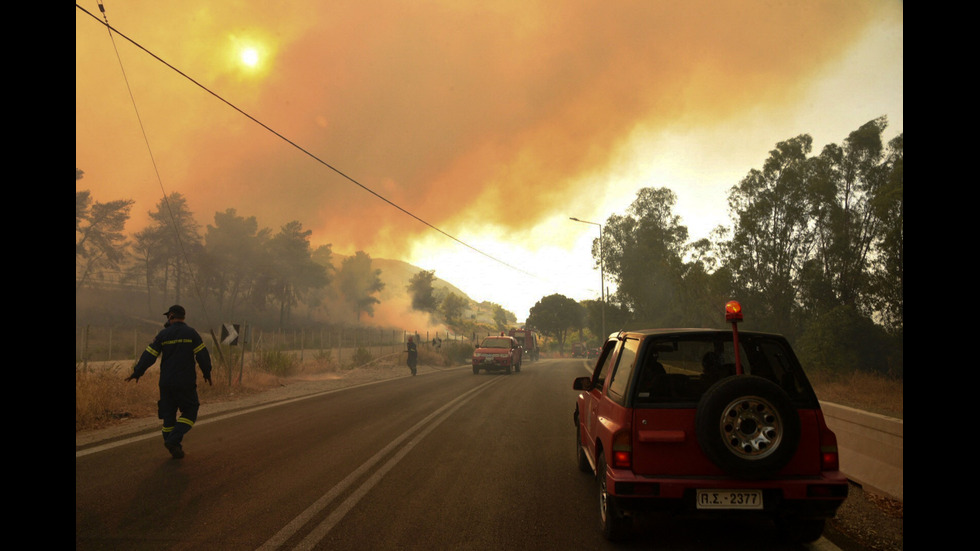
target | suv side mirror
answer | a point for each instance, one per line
(582, 383)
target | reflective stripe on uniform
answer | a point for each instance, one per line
(176, 341)
(186, 421)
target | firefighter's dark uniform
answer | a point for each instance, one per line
(179, 346)
(413, 355)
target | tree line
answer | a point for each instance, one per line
(814, 251)
(233, 267)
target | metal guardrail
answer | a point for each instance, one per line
(870, 447)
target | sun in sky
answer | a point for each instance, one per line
(250, 56)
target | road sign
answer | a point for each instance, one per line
(229, 334)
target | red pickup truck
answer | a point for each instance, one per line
(501, 353)
(703, 422)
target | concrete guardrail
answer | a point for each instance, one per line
(870, 447)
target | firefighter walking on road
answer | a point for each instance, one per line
(413, 354)
(179, 346)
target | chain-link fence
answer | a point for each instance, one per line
(124, 345)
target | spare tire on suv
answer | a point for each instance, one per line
(747, 426)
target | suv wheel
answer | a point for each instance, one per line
(510, 367)
(476, 370)
(615, 525)
(747, 425)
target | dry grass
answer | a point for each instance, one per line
(103, 397)
(865, 391)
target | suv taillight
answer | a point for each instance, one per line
(622, 450)
(829, 459)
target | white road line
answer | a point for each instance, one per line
(423, 427)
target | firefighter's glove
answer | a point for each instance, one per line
(133, 377)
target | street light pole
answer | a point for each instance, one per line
(602, 276)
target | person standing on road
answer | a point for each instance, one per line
(180, 347)
(413, 354)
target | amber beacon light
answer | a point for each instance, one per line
(733, 311)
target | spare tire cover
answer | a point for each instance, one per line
(747, 426)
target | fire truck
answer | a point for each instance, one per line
(528, 341)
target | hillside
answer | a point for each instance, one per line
(396, 276)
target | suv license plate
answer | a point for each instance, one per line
(729, 499)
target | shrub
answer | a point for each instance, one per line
(458, 352)
(429, 356)
(361, 357)
(323, 360)
(324, 356)
(276, 363)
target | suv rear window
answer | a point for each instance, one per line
(677, 370)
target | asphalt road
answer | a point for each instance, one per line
(445, 460)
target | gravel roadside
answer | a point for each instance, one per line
(867, 520)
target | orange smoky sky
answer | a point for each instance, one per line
(479, 118)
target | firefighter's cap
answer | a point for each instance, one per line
(177, 311)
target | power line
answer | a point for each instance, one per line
(300, 148)
(146, 140)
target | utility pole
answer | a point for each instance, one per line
(602, 276)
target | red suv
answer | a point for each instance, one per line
(501, 353)
(706, 422)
